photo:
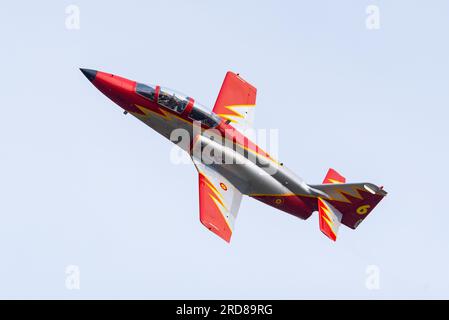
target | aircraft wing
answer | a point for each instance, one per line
(219, 201)
(236, 102)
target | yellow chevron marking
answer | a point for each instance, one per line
(217, 201)
(328, 222)
(213, 188)
(340, 192)
(326, 216)
(326, 210)
(235, 113)
(165, 114)
(224, 116)
(354, 192)
(218, 196)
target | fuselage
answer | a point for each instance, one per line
(179, 118)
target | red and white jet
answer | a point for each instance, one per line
(251, 171)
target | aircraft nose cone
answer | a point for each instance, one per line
(90, 74)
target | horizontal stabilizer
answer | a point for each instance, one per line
(354, 200)
(330, 219)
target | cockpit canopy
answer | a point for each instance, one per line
(146, 91)
(200, 113)
(178, 102)
(172, 100)
(167, 97)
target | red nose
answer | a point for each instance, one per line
(118, 89)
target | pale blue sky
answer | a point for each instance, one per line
(80, 184)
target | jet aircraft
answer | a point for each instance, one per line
(248, 169)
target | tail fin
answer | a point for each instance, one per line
(346, 203)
